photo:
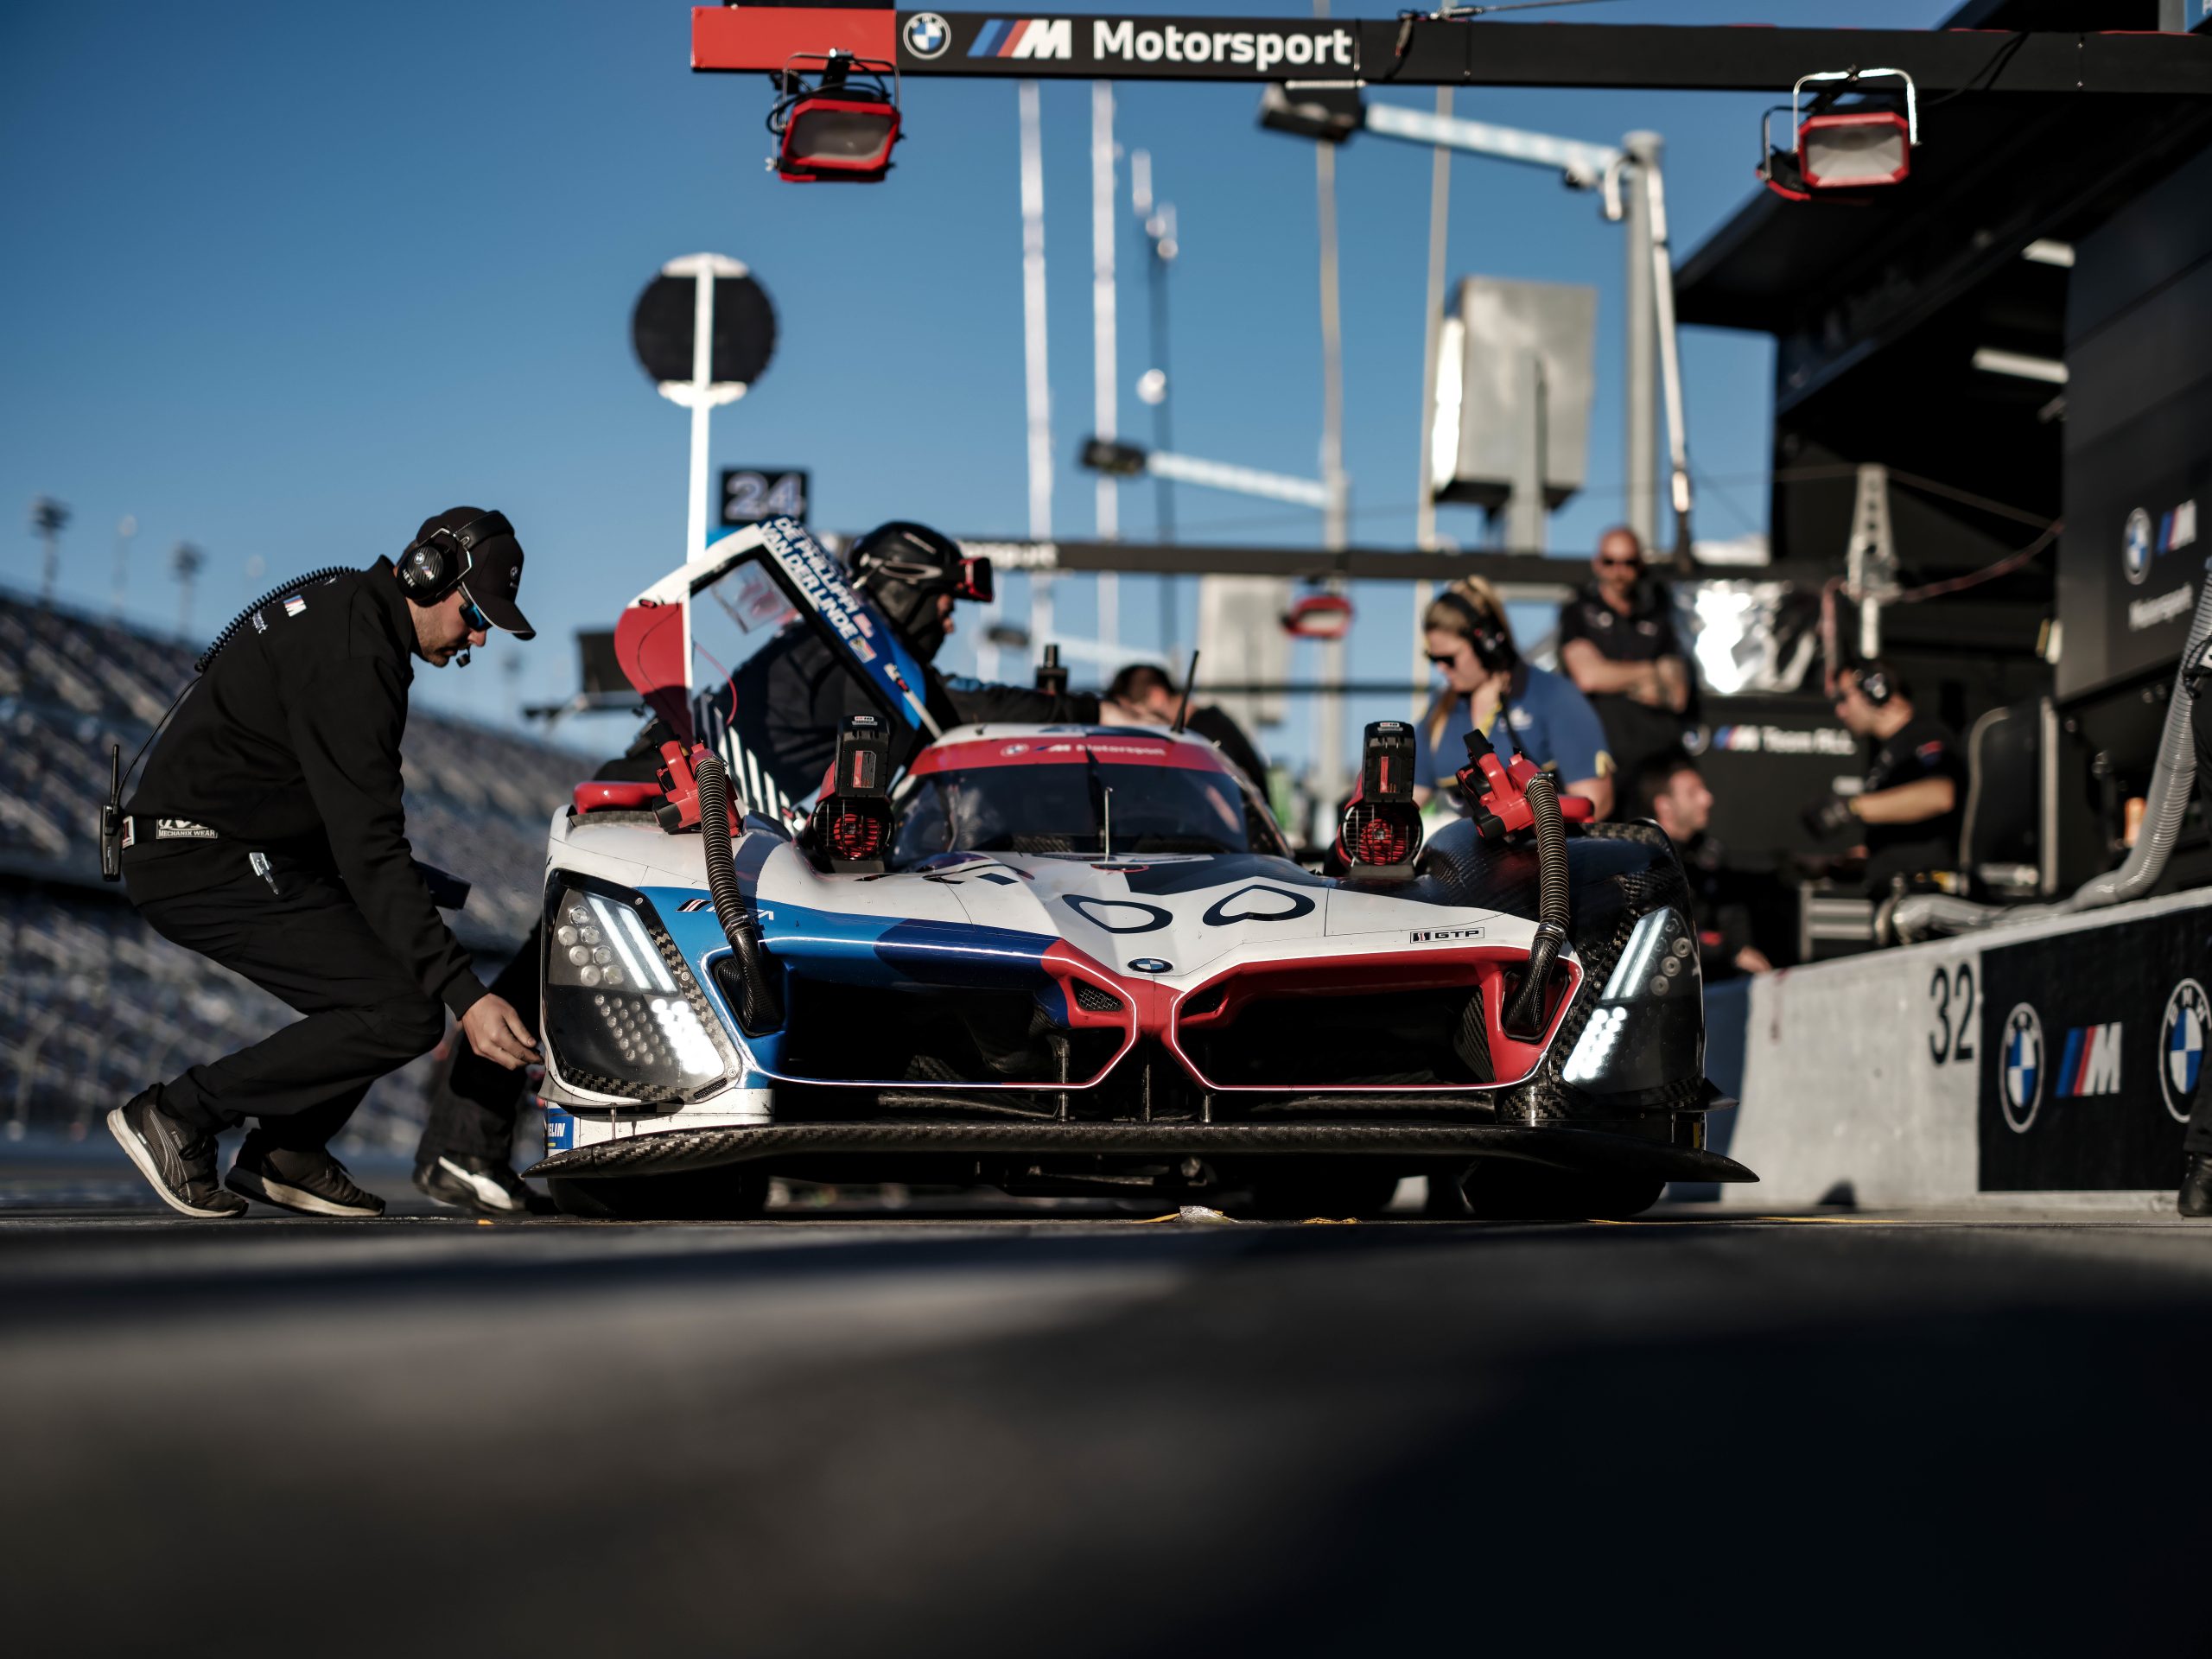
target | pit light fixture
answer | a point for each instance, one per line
(1320, 615)
(1865, 147)
(841, 127)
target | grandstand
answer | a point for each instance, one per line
(93, 1005)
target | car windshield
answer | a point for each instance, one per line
(1071, 808)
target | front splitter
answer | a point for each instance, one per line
(1585, 1151)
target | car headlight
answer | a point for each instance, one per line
(623, 1013)
(1648, 1027)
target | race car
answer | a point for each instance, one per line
(1083, 960)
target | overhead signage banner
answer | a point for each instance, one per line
(2092, 1051)
(1202, 49)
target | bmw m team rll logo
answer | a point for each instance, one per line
(2020, 1083)
(2181, 1047)
(927, 34)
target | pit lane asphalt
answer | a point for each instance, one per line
(875, 1434)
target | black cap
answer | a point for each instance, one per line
(492, 563)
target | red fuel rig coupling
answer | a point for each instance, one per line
(679, 784)
(1380, 837)
(851, 827)
(1497, 790)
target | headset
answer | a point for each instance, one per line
(1493, 645)
(428, 572)
(1876, 683)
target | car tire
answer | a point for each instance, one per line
(1328, 1193)
(1504, 1189)
(731, 1194)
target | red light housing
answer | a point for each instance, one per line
(1854, 150)
(838, 136)
(1318, 616)
(841, 127)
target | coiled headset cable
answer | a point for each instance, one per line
(119, 775)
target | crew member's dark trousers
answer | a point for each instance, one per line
(311, 946)
(475, 1102)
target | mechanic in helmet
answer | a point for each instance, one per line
(792, 697)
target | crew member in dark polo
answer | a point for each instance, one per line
(1617, 643)
(268, 834)
(1908, 811)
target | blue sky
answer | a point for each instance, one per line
(282, 280)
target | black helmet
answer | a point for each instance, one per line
(904, 566)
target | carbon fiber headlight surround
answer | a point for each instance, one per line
(1648, 1030)
(624, 1016)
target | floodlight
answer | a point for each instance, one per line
(839, 129)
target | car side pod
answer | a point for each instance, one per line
(1380, 836)
(851, 828)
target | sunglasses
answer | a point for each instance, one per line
(1629, 563)
(1453, 661)
(473, 620)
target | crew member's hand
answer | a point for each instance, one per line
(1827, 816)
(1111, 712)
(1752, 960)
(1648, 690)
(496, 1032)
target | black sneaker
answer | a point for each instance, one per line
(309, 1183)
(485, 1186)
(177, 1160)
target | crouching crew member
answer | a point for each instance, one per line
(1908, 812)
(268, 835)
(1672, 791)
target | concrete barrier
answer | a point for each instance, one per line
(2061, 1057)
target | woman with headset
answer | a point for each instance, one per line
(1487, 687)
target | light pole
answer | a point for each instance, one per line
(1105, 355)
(185, 563)
(1157, 220)
(125, 528)
(1037, 378)
(48, 520)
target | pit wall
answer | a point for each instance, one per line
(2057, 1058)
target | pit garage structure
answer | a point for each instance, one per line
(2019, 334)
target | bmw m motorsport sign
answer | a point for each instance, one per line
(2092, 1045)
(1202, 49)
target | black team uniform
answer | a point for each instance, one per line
(267, 834)
(1922, 748)
(1636, 733)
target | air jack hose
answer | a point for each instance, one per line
(759, 1003)
(1526, 1017)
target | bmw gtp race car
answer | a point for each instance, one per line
(1083, 960)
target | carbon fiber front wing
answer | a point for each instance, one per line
(1583, 1151)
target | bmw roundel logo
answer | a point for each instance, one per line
(2134, 550)
(2182, 1036)
(927, 34)
(2020, 1077)
(1151, 965)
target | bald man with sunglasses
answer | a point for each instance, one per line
(1617, 642)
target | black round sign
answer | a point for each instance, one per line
(744, 328)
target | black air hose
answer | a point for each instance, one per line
(759, 1003)
(1525, 1018)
